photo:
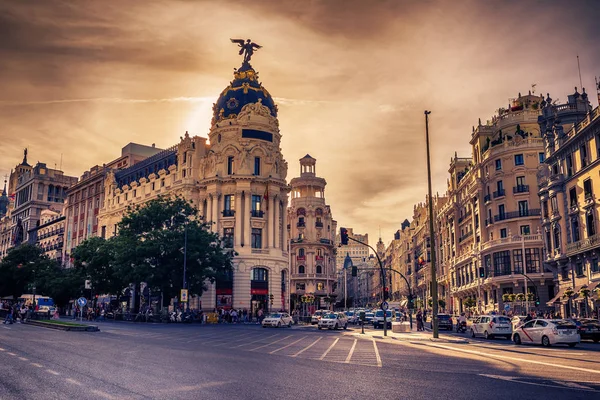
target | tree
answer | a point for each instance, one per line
(23, 267)
(94, 258)
(149, 247)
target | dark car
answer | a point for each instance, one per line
(588, 329)
(445, 321)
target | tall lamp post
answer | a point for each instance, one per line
(434, 293)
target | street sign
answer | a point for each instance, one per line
(506, 307)
(82, 301)
(88, 284)
(385, 306)
(184, 295)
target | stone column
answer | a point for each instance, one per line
(285, 243)
(271, 231)
(209, 208)
(238, 219)
(247, 228)
(276, 222)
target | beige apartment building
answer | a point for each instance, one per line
(49, 234)
(568, 188)
(312, 245)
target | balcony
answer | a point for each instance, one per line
(318, 224)
(518, 214)
(489, 222)
(513, 239)
(464, 217)
(465, 236)
(325, 241)
(301, 258)
(499, 193)
(487, 198)
(257, 213)
(228, 213)
(521, 189)
(301, 224)
(583, 245)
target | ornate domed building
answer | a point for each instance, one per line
(238, 182)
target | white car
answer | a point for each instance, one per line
(390, 316)
(317, 316)
(490, 326)
(278, 320)
(547, 332)
(517, 321)
(333, 320)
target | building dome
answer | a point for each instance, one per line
(244, 89)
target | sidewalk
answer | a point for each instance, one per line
(407, 336)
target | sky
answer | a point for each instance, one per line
(80, 80)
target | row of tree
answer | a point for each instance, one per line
(149, 247)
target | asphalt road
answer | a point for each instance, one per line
(154, 361)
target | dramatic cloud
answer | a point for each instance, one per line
(352, 79)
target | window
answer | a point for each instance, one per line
(594, 265)
(162, 183)
(301, 253)
(500, 185)
(300, 286)
(587, 189)
(554, 204)
(503, 232)
(502, 263)
(575, 228)
(501, 213)
(542, 157)
(301, 269)
(583, 156)
(498, 165)
(569, 162)
(518, 261)
(525, 230)
(260, 274)
(320, 286)
(519, 159)
(230, 165)
(579, 269)
(573, 197)
(520, 181)
(523, 208)
(556, 237)
(228, 238)
(256, 165)
(153, 187)
(229, 203)
(533, 260)
(256, 238)
(319, 269)
(256, 203)
(590, 224)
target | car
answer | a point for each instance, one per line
(491, 326)
(517, 321)
(352, 317)
(317, 316)
(390, 316)
(547, 332)
(369, 317)
(588, 329)
(278, 320)
(333, 320)
(445, 322)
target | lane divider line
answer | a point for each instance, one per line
(288, 345)
(73, 381)
(52, 372)
(308, 347)
(268, 344)
(37, 365)
(23, 359)
(11, 354)
(329, 349)
(377, 356)
(351, 351)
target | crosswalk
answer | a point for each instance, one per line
(288, 343)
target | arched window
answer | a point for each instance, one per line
(260, 274)
(319, 212)
(301, 269)
(319, 269)
(301, 211)
(556, 231)
(575, 228)
(300, 252)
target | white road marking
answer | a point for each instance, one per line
(488, 355)
(268, 344)
(560, 385)
(258, 340)
(288, 345)
(1, 349)
(351, 351)
(190, 388)
(73, 381)
(103, 394)
(329, 349)
(12, 354)
(6, 327)
(377, 353)
(236, 338)
(308, 347)
(37, 365)
(22, 359)
(573, 385)
(52, 372)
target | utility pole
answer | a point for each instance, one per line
(434, 294)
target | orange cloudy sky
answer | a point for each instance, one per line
(351, 78)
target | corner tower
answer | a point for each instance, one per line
(312, 246)
(243, 194)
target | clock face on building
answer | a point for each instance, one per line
(232, 103)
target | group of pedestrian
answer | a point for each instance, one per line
(17, 312)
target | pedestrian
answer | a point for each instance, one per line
(9, 317)
(259, 315)
(420, 321)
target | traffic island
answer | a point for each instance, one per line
(65, 326)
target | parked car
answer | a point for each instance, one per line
(390, 316)
(588, 329)
(333, 320)
(547, 332)
(317, 316)
(278, 320)
(352, 317)
(445, 321)
(369, 317)
(491, 326)
(517, 321)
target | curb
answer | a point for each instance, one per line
(87, 328)
(411, 339)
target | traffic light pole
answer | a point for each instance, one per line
(383, 286)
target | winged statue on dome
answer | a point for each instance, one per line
(247, 48)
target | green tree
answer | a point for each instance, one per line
(94, 259)
(149, 247)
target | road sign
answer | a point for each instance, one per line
(184, 295)
(88, 284)
(385, 306)
(82, 301)
(506, 307)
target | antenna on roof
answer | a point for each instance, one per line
(60, 162)
(579, 69)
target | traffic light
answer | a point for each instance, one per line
(481, 272)
(386, 293)
(354, 271)
(271, 298)
(537, 301)
(344, 236)
(411, 302)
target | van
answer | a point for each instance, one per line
(490, 326)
